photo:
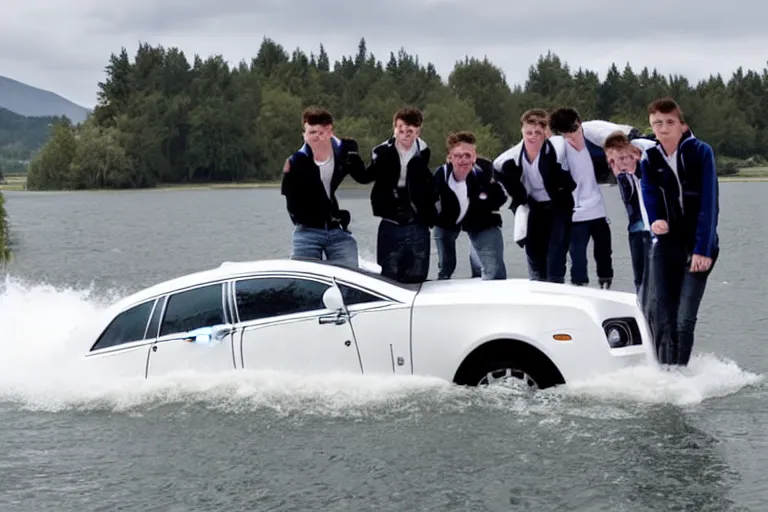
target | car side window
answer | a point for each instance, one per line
(126, 327)
(192, 309)
(355, 295)
(266, 297)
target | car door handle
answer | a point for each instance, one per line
(335, 319)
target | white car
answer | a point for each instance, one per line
(309, 317)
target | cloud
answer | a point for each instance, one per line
(64, 47)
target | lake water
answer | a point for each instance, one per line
(637, 440)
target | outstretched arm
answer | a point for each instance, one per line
(354, 163)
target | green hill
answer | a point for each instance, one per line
(30, 101)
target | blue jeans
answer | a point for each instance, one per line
(486, 255)
(489, 246)
(445, 240)
(402, 251)
(674, 294)
(339, 246)
(639, 249)
(546, 242)
(600, 233)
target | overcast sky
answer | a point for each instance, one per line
(64, 46)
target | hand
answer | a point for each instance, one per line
(700, 263)
(660, 227)
(351, 145)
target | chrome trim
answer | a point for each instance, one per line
(149, 319)
(123, 347)
(283, 319)
(166, 298)
(223, 298)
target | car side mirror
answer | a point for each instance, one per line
(333, 300)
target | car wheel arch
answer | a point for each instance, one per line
(504, 350)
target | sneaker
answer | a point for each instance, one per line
(605, 283)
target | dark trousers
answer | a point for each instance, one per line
(672, 298)
(546, 242)
(600, 233)
(402, 251)
(639, 249)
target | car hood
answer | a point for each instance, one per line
(513, 290)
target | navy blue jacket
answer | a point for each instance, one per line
(630, 190)
(558, 181)
(416, 202)
(694, 218)
(304, 192)
(484, 192)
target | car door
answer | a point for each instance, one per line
(182, 343)
(382, 328)
(284, 325)
(122, 349)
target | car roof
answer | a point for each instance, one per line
(234, 269)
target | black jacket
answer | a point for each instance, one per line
(305, 197)
(413, 203)
(484, 192)
(558, 182)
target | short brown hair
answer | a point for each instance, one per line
(616, 140)
(317, 115)
(564, 120)
(409, 115)
(666, 105)
(457, 138)
(537, 116)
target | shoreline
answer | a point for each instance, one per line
(19, 185)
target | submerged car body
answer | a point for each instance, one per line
(315, 317)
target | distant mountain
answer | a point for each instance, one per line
(30, 101)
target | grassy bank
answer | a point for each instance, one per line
(748, 174)
(14, 183)
(18, 183)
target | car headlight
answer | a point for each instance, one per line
(622, 332)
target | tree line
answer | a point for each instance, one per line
(20, 138)
(163, 119)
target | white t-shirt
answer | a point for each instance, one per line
(405, 157)
(672, 161)
(326, 173)
(532, 180)
(587, 196)
(460, 189)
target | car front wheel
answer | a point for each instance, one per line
(525, 375)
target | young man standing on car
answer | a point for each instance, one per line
(624, 160)
(403, 197)
(588, 167)
(534, 172)
(310, 179)
(680, 193)
(468, 199)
